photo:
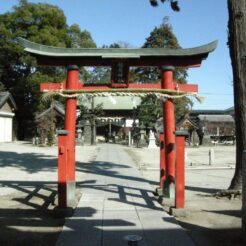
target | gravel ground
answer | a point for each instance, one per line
(28, 188)
(29, 192)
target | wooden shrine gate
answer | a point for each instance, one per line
(120, 60)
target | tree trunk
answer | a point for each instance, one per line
(244, 198)
(237, 44)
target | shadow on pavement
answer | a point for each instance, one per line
(203, 236)
(234, 213)
(202, 189)
(28, 162)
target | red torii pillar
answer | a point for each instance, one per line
(169, 131)
(180, 169)
(67, 168)
(159, 191)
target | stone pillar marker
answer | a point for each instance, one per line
(152, 144)
(129, 139)
(211, 156)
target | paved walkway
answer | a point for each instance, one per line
(116, 201)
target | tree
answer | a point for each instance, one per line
(237, 45)
(160, 37)
(101, 75)
(173, 4)
(149, 110)
(44, 24)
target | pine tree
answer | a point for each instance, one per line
(160, 37)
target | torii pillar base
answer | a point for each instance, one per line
(66, 187)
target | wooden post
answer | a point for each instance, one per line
(169, 129)
(62, 168)
(162, 162)
(70, 126)
(180, 169)
(211, 156)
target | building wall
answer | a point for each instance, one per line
(219, 128)
(6, 123)
(6, 126)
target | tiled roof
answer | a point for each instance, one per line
(216, 118)
(54, 105)
(4, 97)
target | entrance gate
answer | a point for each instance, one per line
(120, 60)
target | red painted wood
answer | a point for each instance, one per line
(62, 170)
(169, 125)
(51, 86)
(186, 87)
(47, 86)
(70, 120)
(162, 161)
(143, 62)
(145, 86)
(180, 172)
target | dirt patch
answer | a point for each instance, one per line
(28, 188)
(212, 221)
(27, 219)
(32, 219)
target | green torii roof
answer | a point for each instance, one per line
(48, 55)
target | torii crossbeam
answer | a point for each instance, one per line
(119, 59)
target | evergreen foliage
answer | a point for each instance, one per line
(100, 75)
(151, 109)
(40, 23)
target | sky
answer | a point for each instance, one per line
(131, 21)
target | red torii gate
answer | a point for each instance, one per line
(119, 60)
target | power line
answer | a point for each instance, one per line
(215, 94)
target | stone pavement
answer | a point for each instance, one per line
(116, 201)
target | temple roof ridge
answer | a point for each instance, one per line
(55, 56)
(41, 49)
